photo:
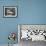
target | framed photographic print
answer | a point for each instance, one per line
(33, 32)
(10, 11)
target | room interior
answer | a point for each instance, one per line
(28, 12)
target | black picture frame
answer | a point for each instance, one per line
(10, 11)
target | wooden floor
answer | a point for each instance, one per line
(30, 43)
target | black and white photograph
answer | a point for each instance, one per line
(10, 11)
(29, 34)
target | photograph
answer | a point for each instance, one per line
(10, 11)
(32, 32)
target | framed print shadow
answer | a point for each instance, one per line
(10, 11)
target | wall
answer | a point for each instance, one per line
(29, 12)
(32, 11)
(7, 25)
